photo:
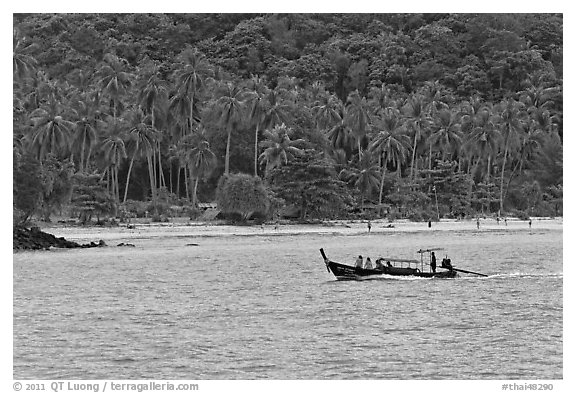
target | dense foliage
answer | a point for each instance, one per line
(420, 114)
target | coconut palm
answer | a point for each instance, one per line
(417, 115)
(85, 131)
(511, 126)
(446, 135)
(50, 132)
(142, 138)
(114, 79)
(114, 152)
(202, 162)
(230, 107)
(365, 176)
(278, 147)
(328, 112)
(391, 142)
(483, 138)
(23, 63)
(357, 118)
(191, 77)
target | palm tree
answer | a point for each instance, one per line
(279, 148)
(143, 139)
(357, 117)
(51, 132)
(85, 136)
(364, 177)
(114, 79)
(418, 120)
(511, 126)
(152, 99)
(230, 107)
(391, 141)
(192, 76)
(446, 134)
(257, 113)
(114, 152)
(483, 137)
(202, 162)
(23, 63)
(328, 112)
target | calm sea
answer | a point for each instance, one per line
(256, 307)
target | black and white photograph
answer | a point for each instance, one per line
(286, 197)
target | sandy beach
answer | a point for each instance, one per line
(186, 228)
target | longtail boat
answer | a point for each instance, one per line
(395, 267)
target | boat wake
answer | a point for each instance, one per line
(526, 275)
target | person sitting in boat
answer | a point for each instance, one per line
(433, 262)
(359, 261)
(388, 264)
(368, 264)
(447, 263)
(379, 264)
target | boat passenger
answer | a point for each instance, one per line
(388, 264)
(379, 264)
(447, 263)
(433, 262)
(359, 261)
(368, 264)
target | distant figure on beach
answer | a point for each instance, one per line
(429, 224)
(276, 225)
(478, 223)
(369, 226)
(498, 220)
(433, 262)
(368, 264)
(530, 223)
(359, 261)
(505, 221)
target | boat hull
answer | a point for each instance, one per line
(345, 272)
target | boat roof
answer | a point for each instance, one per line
(429, 250)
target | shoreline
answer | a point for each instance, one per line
(187, 228)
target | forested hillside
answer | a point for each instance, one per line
(336, 115)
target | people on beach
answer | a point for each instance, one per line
(433, 262)
(477, 223)
(530, 223)
(429, 224)
(369, 226)
(359, 261)
(368, 264)
(498, 220)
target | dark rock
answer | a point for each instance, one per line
(35, 239)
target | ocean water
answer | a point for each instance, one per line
(264, 307)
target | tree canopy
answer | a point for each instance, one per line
(383, 100)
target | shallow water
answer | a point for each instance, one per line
(253, 307)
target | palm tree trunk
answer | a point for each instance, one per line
(502, 177)
(171, 183)
(412, 171)
(162, 180)
(82, 152)
(151, 176)
(179, 172)
(194, 192)
(227, 162)
(256, 149)
(186, 177)
(128, 176)
(381, 189)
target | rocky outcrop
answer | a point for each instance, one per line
(35, 239)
